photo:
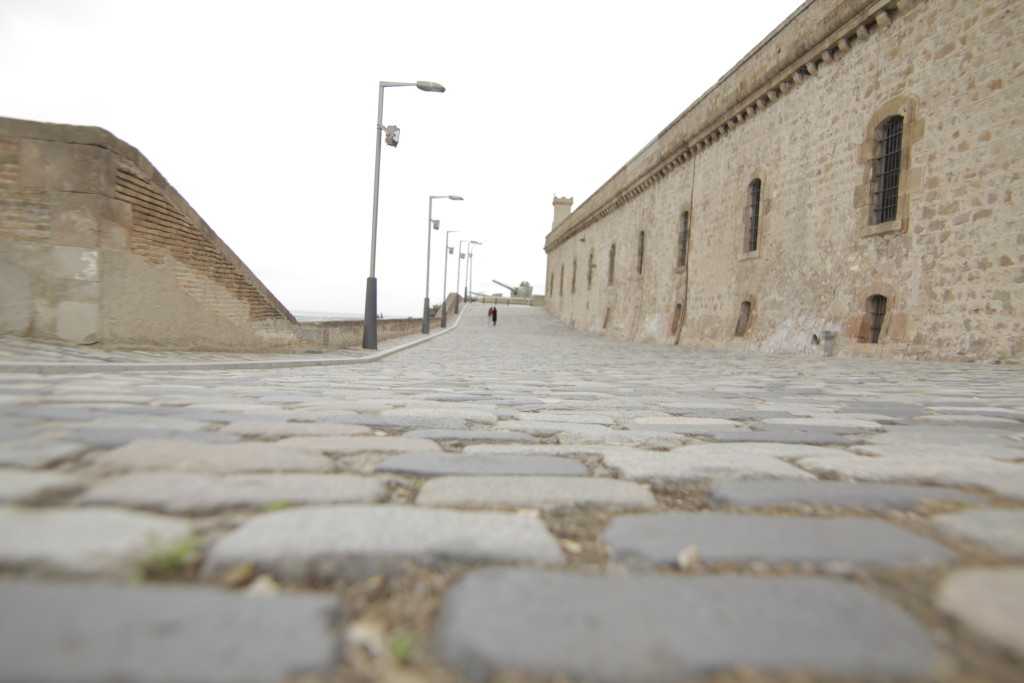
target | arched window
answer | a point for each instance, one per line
(684, 238)
(886, 181)
(753, 213)
(743, 322)
(611, 265)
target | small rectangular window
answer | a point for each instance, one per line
(754, 211)
(684, 238)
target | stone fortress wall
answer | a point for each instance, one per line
(753, 220)
(96, 247)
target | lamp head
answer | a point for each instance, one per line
(455, 197)
(429, 86)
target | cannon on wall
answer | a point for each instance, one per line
(524, 290)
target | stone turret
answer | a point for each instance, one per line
(563, 206)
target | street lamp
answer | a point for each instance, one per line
(370, 310)
(458, 275)
(435, 226)
(469, 266)
(444, 287)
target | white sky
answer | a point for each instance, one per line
(261, 114)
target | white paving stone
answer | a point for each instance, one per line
(533, 492)
(185, 456)
(909, 468)
(704, 462)
(1001, 531)
(990, 601)
(83, 540)
(356, 540)
(24, 485)
(277, 430)
(193, 493)
(1008, 452)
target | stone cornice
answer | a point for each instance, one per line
(777, 65)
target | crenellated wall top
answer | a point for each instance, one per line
(817, 33)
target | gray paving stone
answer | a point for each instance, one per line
(184, 493)
(97, 632)
(704, 462)
(544, 493)
(761, 494)
(278, 430)
(36, 453)
(186, 456)
(722, 537)
(25, 485)
(649, 629)
(355, 541)
(437, 463)
(1001, 531)
(83, 540)
(463, 435)
(990, 601)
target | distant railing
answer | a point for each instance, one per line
(508, 300)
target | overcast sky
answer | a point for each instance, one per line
(262, 115)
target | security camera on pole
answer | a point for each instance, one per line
(391, 136)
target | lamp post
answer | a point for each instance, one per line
(370, 310)
(458, 275)
(431, 225)
(469, 266)
(444, 287)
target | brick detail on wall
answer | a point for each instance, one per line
(24, 212)
(161, 232)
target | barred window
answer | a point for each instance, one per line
(753, 213)
(888, 145)
(876, 316)
(684, 237)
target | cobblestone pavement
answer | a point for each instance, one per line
(519, 502)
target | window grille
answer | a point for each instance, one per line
(755, 213)
(684, 237)
(887, 168)
(876, 314)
